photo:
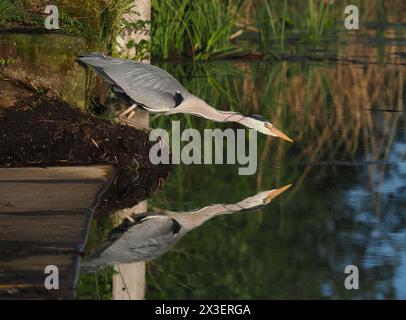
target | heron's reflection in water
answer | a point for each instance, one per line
(145, 236)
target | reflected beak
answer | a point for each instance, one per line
(277, 133)
(276, 192)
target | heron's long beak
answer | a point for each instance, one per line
(276, 192)
(277, 133)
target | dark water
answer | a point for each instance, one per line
(347, 205)
(347, 167)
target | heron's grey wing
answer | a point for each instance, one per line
(142, 241)
(151, 87)
(147, 85)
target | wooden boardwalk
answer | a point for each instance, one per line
(44, 219)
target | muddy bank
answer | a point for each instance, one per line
(37, 130)
(46, 60)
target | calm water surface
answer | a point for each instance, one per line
(347, 205)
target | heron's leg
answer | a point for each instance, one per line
(127, 115)
(131, 115)
(123, 116)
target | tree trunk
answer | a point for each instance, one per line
(129, 282)
(140, 11)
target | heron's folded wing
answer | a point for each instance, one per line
(151, 99)
(145, 84)
(142, 241)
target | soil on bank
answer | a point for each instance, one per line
(41, 130)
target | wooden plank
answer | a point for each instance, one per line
(56, 188)
(47, 228)
(103, 172)
(37, 263)
(44, 218)
(29, 270)
(26, 292)
(17, 197)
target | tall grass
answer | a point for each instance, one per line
(98, 21)
(204, 29)
(97, 285)
(200, 29)
(9, 10)
(317, 20)
(6, 6)
(271, 27)
(304, 22)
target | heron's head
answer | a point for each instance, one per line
(263, 198)
(259, 123)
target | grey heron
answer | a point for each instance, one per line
(145, 236)
(155, 90)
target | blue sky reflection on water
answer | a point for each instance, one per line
(387, 229)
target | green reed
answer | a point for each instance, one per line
(11, 11)
(269, 30)
(317, 20)
(278, 23)
(200, 29)
(97, 285)
(6, 8)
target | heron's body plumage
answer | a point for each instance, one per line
(147, 238)
(146, 85)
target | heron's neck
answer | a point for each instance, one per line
(195, 218)
(200, 108)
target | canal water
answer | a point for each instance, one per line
(347, 203)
